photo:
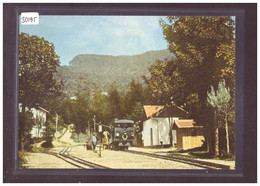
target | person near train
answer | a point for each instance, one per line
(94, 141)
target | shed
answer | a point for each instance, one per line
(188, 134)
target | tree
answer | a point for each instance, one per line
(134, 95)
(37, 65)
(81, 114)
(136, 113)
(158, 83)
(165, 85)
(76, 111)
(115, 109)
(65, 110)
(205, 51)
(221, 101)
(99, 106)
(200, 44)
(24, 130)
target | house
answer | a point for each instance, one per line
(157, 124)
(188, 135)
(40, 115)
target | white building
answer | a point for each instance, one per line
(157, 128)
(39, 128)
(40, 115)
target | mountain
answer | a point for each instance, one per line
(90, 72)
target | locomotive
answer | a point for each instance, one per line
(122, 134)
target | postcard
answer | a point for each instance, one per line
(127, 92)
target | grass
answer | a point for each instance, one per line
(22, 161)
(37, 147)
(207, 155)
(201, 154)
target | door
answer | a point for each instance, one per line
(174, 137)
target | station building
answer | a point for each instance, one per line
(169, 126)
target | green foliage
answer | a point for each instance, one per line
(99, 107)
(82, 113)
(79, 112)
(65, 110)
(205, 51)
(115, 104)
(205, 48)
(37, 64)
(222, 102)
(106, 107)
(158, 84)
(136, 112)
(49, 132)
(26, 123)
(21, 158)
(220, 99)
(133, 100)
(165, 85)
(88, 73)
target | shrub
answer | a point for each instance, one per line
(47, 144)
(21, 160)
(25, 126)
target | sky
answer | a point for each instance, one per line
(107, 35)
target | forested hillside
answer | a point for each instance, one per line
(89, 72)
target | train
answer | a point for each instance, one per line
(122, 134)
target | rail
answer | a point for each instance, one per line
(81, 163)
(198, 163)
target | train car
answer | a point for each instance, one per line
(122, 134)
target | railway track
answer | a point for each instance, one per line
(190, 161)
(81, 163)
(88, 163)
(76, 161)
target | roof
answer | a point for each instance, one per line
(43, 109)
(172, 111)
(186, 123)
(124, 121)
(150, 110)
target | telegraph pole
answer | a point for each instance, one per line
(94, 119)
(89, 129)
(56, 125)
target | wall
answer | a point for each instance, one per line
(190, 142)
(37, 131)
(180, 133)
(189, 138)
(160, 131)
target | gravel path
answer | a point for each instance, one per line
(111, 158)
(125, 160)
(165, 151)
(45, 161)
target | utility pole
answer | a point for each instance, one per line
(100, 135)
(56, 125)
(89, 132)
(94, 119)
